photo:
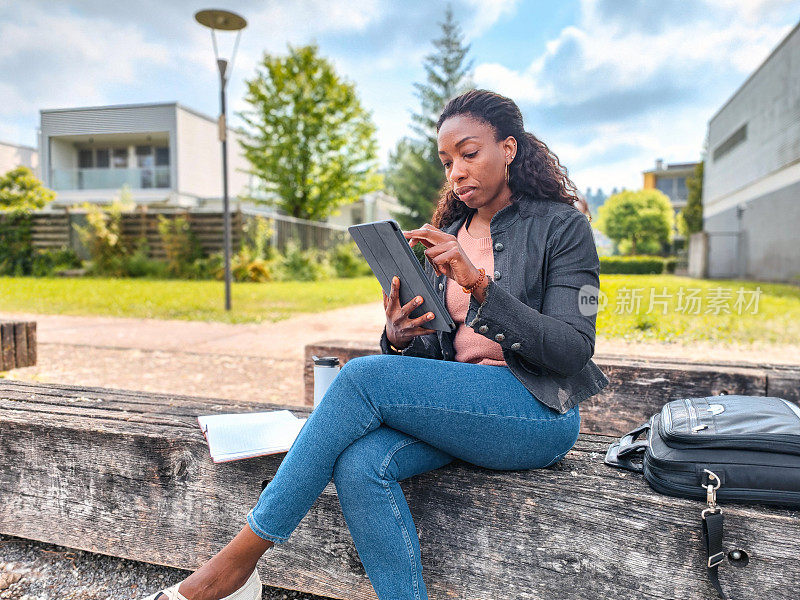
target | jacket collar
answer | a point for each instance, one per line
(502, 219)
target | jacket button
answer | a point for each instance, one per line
(499, 337)
(498, 246)
(441, 287)
(497, 275)
(483, 329)
(516, 346)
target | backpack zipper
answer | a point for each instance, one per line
(691, 412)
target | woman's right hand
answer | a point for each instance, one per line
(400, 329)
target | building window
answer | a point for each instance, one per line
(144, 156)
(145, 163)
(162, 156)
(120, 158)
(666, 185)
(102, 158)
(85, 159)
(681, 193)
(736, 138)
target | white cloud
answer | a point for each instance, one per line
(487, 13)
(598, 54)
(81, 55)
(649, 81)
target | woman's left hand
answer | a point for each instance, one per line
(445, 254)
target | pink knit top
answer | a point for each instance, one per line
(470, 346)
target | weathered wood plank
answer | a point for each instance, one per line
(30, 332)
(7, 346)
(20, 345)
(52, 398)
(94, 469)
(17, 344)
(637, 388)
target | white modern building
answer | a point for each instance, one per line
(15, 155)
(167, 154)
(751, 189)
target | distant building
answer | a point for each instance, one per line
(167, 154)
(751, 190)
(375, 206)
(15, 155)
(671, 180)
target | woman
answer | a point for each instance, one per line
(512, 258)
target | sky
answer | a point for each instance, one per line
(608, 85)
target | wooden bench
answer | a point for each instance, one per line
(17, 344)
(128, 474)
(637, 387)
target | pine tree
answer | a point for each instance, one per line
(415, 175)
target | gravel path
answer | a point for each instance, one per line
(35, 571)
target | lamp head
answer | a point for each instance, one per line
(223, 20)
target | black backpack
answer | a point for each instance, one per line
(730, 447)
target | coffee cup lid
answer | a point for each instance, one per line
(326, 361)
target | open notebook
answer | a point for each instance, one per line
(244, 435)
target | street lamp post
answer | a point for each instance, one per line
(224, 20)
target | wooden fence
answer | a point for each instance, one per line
(54, 230)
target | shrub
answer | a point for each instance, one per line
(21, 191)
(180, 244)
(139, 263)
(48, 262)
(208, 267)
(631, 265)
(246, 266)
(347, 261)
(306, 265)
(103, 237)
(257, 235)
(16, 245)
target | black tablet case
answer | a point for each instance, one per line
(388, 254)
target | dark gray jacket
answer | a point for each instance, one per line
(544, 252)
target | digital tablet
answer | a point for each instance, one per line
(388, 254)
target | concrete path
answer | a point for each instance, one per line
(247, 362)
(282, 340)
(259, 362)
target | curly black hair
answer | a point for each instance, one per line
(535, 174)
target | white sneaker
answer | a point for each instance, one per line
(251, 590)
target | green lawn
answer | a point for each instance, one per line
(187, 300)
(711, 314)
(776, 318)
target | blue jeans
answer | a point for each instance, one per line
(387, 417)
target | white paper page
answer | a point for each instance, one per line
(244, 433)
(282, 447)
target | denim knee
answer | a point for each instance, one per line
(367, 458)
(367, 368)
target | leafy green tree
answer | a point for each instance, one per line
(637, 221)
(311, 143)
(415, 174)
(690, 219)
(21, 190)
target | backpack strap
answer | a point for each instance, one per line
(712, 538)
(712, 530)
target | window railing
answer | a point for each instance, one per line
(108, 179)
